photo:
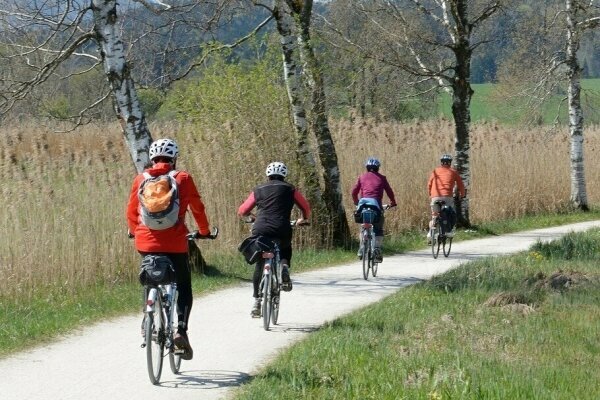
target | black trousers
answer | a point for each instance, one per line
(184, 287)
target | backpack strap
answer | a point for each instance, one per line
(146, 175)
(173, 173)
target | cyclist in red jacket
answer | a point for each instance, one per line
(172, 241)
(441, 184)
(369, 188)
(274, 200)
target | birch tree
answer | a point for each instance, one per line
(301, 12)
(552, 62)
(85, 34)
(293, 20)
(580, 16)
(434, 41)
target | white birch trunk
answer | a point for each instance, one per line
(326, 148)
(296, 99)
(127, 105)
(578, 187)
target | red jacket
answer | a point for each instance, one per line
(442, 180)
(171, 240)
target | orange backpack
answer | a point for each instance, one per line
(159, 201)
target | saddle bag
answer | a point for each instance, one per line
(252, 247)
(156, 270)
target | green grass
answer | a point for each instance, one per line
(485, 108)
(498, 328)
(53, 311)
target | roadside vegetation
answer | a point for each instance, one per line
(65, 259)
(518, 327)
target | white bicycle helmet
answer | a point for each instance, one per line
(163, 148)
(276, 168)
(446, 159)
(373, 162)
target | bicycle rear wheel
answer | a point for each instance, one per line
(174, 359)
(267, 299)
(447, 246)
(374, 266)
(365, 262)
(175, 362)
(435, 241)
(155, 341)
(275, 308)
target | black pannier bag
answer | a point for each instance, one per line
(366, 214)
(447, 218)
(156, 270)
(253, 246)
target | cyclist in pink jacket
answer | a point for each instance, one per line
(369, 189)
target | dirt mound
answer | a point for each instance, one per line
(561, 280)
(512, 302)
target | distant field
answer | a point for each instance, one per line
(485, 108)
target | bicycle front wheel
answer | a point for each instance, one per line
(267, 299)
(155, 342)
(447, 246)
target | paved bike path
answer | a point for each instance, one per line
(105, 361)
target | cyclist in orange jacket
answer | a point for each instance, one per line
(442, 182)
(172, 241)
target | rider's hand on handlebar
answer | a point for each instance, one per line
(301, 221)
(388, 206)
(250, 218)
(197, 235)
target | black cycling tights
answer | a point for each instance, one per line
(184, 287)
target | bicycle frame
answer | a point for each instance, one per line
(270, 285)
(367, 235)
(168, 295)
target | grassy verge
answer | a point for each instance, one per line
(517, 327)
(53, 311)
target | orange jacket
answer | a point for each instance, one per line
(442, 180)
(171, 240)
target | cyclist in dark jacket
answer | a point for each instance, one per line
(274, 201)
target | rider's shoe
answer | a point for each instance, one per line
(255, 313)
(359, 254)
(451, 233)
(377, 255)
(286, 283)
(182, 343)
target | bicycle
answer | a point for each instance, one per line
(367, 241)
(160, 320)
(271, 282)
(439, 238)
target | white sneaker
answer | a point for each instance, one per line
(451, 233)
(255, 313)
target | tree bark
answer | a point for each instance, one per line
(332, 194)
(117, 70)
(461, 107)
(304, 154)
(578, 187)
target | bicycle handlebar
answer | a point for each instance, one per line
(196, 235)
(249, 219)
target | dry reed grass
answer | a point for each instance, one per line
(64, 194)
